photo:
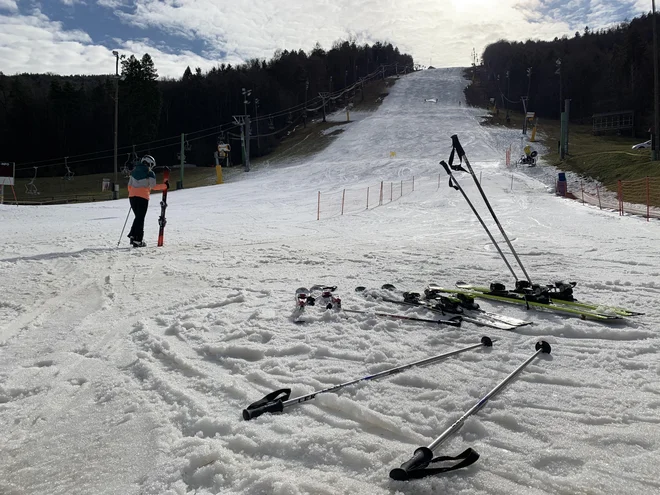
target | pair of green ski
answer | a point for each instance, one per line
(584, 310)
(557, 298)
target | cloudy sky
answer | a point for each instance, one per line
(78, 36)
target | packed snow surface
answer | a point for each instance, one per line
(126, 371)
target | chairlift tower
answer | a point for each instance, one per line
(324, 96)
(244, 122)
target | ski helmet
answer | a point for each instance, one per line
(149, 161)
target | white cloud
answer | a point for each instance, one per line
(420, 27)
(9, 5)
(36, 44)
(442, 33)
(113, 4)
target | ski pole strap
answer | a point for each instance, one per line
(270, 403)
(452, 181)
(457, 146)
(416, 467)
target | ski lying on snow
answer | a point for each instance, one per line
(599, 308)
(515, 298)
(481, 320)
(469, 312)
(322, 295)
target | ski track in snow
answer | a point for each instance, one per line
(126, 371)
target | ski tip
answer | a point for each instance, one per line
(544, 346)
(486, 341)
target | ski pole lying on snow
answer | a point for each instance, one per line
(278, 400)
(415, 467)
(454, 321)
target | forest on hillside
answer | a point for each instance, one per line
(602, 71)
(46, 117)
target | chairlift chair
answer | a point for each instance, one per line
(68, 175)
(31, 187)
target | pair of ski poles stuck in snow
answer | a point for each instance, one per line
(417, 466)
(457, 148)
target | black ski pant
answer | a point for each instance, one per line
(139, 207)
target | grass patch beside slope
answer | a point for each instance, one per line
(606, 158)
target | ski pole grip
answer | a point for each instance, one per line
(454, 321)
(272, 402)
(419, 460)
(457, 146)
(543, 346)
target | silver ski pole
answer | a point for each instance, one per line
(278, 400)
(461, 155)
(124, 227)
(454, 183)
(415, 467)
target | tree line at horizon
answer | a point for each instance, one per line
(46, 117)
(608, 70)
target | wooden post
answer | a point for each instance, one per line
(343, 196)
(380, 197)
(367, 198)
(620, 196)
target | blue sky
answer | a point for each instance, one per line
(78, 36)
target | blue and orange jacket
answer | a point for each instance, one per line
(142, 181)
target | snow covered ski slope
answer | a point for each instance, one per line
(126, 371)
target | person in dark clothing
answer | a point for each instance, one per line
(140, 184)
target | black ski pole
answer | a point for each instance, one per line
(124, 227)
(454, 183)
(415, 467)
(461, 155)
(454, 321)
(278, 400)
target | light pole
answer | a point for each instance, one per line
(305, 113)
(115, 193)
(656, 119)
(558, 72)
(246, 94)
(306, 89)
(256, 121)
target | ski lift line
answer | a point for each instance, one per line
(56, 161)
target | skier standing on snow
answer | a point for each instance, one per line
(140, 184)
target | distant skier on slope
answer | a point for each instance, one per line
(140, 183)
